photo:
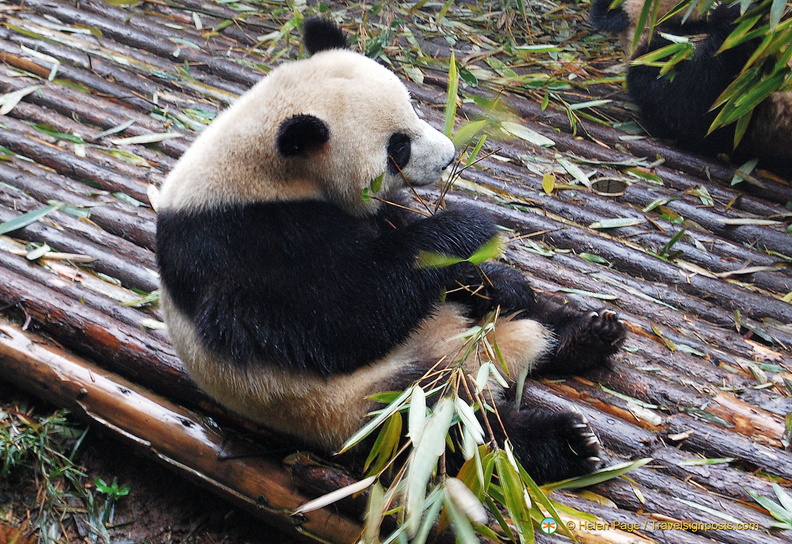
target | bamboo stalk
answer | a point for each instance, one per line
(656, 493)
(115, 25)
(584, 208)
(126, 349)
(674, 159)
(670, 317)
(186, 443)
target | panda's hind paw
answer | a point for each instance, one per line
(554, 446)
(605, 329)
(585, 342)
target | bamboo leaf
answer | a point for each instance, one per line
(467, 132)
(515, 498)
(590, 294)
(451, 97)
(784, 499)
(374, 515)
(575, 171)
(476, 150)
(430, 259)
(590, 257)
(28, 218)
(717, 513)
(377, 421)
(147, 138)
(417, 415)
(334, 496)
(777, 9)
(435, 503)
(468, 417)
(658, 202)
(460, 523)
(467, 502)
(114, 130)
(602, 475)
(526, 134)
(616, 223)
(775, 509)
(548, 183)
(9, 100)
(423, 461)
(748, 221)
(589, 104)
(385, 446)
(490, 250)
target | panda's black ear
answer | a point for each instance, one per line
(321, 34)
(301, 134)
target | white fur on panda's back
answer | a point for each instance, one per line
(235, 160)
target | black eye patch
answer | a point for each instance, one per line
(399, 148)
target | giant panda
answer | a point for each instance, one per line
(291, 298)
(678, 106)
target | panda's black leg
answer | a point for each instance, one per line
(585, 339)
(552, 446)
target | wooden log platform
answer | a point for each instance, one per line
(101, 98)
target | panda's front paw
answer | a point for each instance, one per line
(459, 232)
(493, 285)
(554, 446)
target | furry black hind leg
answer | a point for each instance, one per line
(551, 446)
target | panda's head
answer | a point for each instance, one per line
(326, 127)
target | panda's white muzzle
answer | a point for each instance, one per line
(431, 153)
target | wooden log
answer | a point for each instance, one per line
(122, 64)
(132, 265)
(715, 441)
(637, 263)
(77, 285)
(61, 161)
(115, 25)
(655, 493)
(143, 358)
(671, 313)
(602, 136)
(234, 469)
(584, 208)
(135, 224)
(99, 112)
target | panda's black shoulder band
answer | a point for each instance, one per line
(321, 34)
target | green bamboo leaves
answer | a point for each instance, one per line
(767, 70)
(490, 250)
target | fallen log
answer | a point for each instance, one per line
(232, 468)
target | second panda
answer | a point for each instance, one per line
(291, 299)
(678, 107)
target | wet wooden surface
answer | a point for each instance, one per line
(705, 373)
